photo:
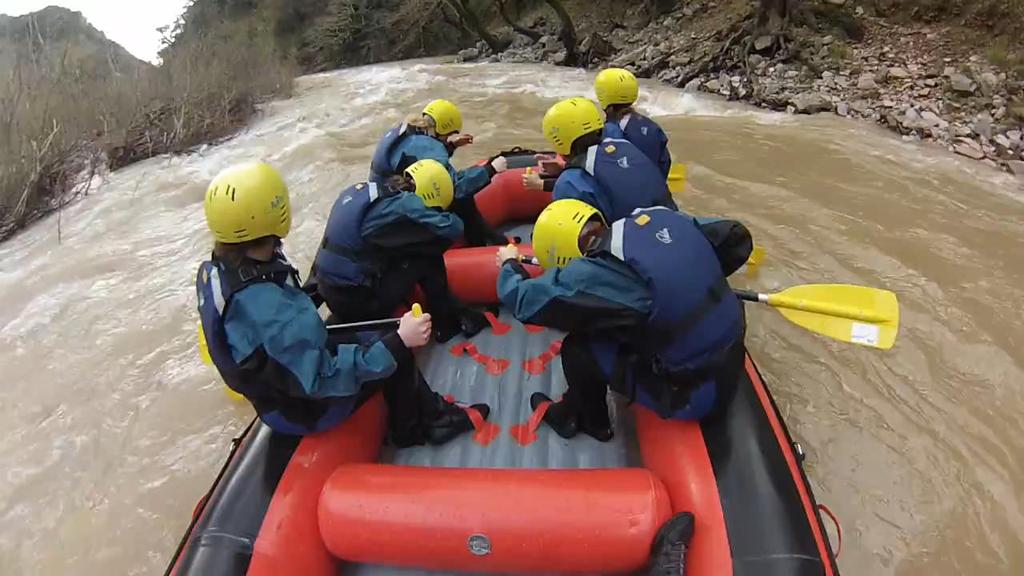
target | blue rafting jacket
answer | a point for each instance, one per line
(652, 284)
(367, 218)
(646, 135)
(269, 344)
(401, 147)
(616, 178)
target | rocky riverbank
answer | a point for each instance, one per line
(931, 83)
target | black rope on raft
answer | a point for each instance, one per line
(201, 506)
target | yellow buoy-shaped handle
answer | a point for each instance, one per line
(417, 310)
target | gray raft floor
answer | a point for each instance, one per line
(508, 396)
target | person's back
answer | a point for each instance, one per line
(617, 91)
(616, 177)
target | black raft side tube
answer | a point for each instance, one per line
(221, 538)
(769, 529)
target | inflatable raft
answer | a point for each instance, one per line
(512, 497)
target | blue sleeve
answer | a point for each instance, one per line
(589, 293)
(284, 323)
(613, 130)
(665, 158)
(408, 207)
(578, 184)
(471, 180)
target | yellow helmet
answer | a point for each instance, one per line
(616, 86)
(433, 183)
(446, 116)
(568, 120)
(247, 201)
(556, 234)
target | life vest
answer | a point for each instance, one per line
(646, 135)
(380, 165)
(695, 318)
(216, 285)
(340, 261)
(626, 176)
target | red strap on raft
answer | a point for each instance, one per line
(498, 328)
(494, 366)
(537, 365)
(526, 433)
(839, 527)
(486, 431)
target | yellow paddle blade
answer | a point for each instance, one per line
(855, 314)
(756, 256)
(677, 179)
(234, 396)
(204, 351)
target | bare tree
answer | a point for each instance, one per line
(567, 33)
(519, 29)
(472, 23)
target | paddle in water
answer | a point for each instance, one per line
(677, 178)
(855, 314)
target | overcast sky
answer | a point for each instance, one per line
(130, 23)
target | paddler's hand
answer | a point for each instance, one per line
(459, 140)
(414, 330)
(549, 167)
(510, 252)
(500, 164)
(532, 180)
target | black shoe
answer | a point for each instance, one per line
(597, 424)
(668, 552)
(557, 416)
(446, 329)
(451, 422)
(472, 322)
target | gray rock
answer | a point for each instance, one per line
(983, 125)
(755, 60)
(621, 60)
(469, 54)
(826, 40)
(962, 84)
(912, 120)
(969, 151)
(858, 11)
(898, 73)
(692, 86)
(1016, 168)
(843, 109)
(763, 42)
(1002, 140)
(933, 119)
(688, 11)
(923, 92)
(712, 85)
(860, 106)
(988, 82)
(836, 2)
(866, 82)
(1000, 113)
(828, 77)
(810, 103)
(931, 82)
(1015, 136)
(960, 131)
(791, 74)
(882, 75)
(948, 71)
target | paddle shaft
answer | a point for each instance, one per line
(827, 308)
(366, 324)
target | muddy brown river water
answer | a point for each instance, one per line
(114, 428)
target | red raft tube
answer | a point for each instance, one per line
(512, 498)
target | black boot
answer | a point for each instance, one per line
(451, 421)
(446, 328)
(668, 552)
(597, 425)
(558, 415)
(472, 322)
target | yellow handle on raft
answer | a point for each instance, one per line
(417, 310)
(204, 355)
